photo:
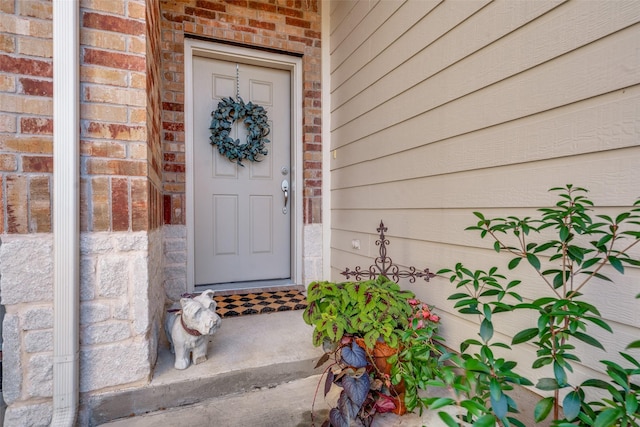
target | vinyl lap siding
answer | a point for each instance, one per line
(441, 108)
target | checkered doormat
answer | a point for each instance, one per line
(259, 303)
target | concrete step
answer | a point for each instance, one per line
(246, 353)
(286, 405)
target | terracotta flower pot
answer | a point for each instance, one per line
(380, 353)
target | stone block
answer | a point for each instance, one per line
(140, 273)
(87, 278)
(312, 270)
(176, 258)
(40, 375)
(141, 302)
(175, 245)
(121, 311)
(127, 242)
(26, 268)
(175, 287)
(38, 415)
(95, 243)
(175, 272)
(313, 240)
(38, 317)
(38, 341)
(175, 232)
(11, 361)
(107, 332)
(113, 276)
(94, 312)
(115, 364)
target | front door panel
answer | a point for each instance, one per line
(242, 233)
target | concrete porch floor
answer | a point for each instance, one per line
(246, 353)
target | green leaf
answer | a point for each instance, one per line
(473, 407)
(616, 263)
(543, 408)
(543, 247)
(485, 421)
(533, 260)
(516, 422)
(500, 405)
(559, 373)
(595, 383)
(441, 402)
(495, 389)
(477, 366)
(486, 309)
(623, 216)
(448, 419)
(486, 330)
(479, 215)
(501, 345)
(514, 263)
(598, 321)
(630, 359)
(547, 384)
(608, 417)
(631, 404)
(571, 405)
(588, 339)
(524, 335)
(543, 361)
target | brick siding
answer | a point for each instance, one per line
(26, 107)
(285, 25)
(121, 159)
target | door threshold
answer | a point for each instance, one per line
(250, 287)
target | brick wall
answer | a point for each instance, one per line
(120, 116)
(285, 25)
(118, 94)
(26, 108)
(154, 113)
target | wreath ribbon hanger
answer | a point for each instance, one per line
(255, 119)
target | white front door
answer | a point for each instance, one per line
(242, 217)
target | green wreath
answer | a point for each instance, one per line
(255, 119)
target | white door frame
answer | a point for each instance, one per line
(260, 58)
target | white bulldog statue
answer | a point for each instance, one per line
(188, 329)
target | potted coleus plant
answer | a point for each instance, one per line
(372, 332)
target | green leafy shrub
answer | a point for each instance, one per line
(581, 246)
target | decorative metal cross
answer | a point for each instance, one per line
(384, 266)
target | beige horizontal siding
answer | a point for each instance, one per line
(603, 66)
(579, 128)
(442, 108)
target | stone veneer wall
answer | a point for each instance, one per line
(119, 328)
